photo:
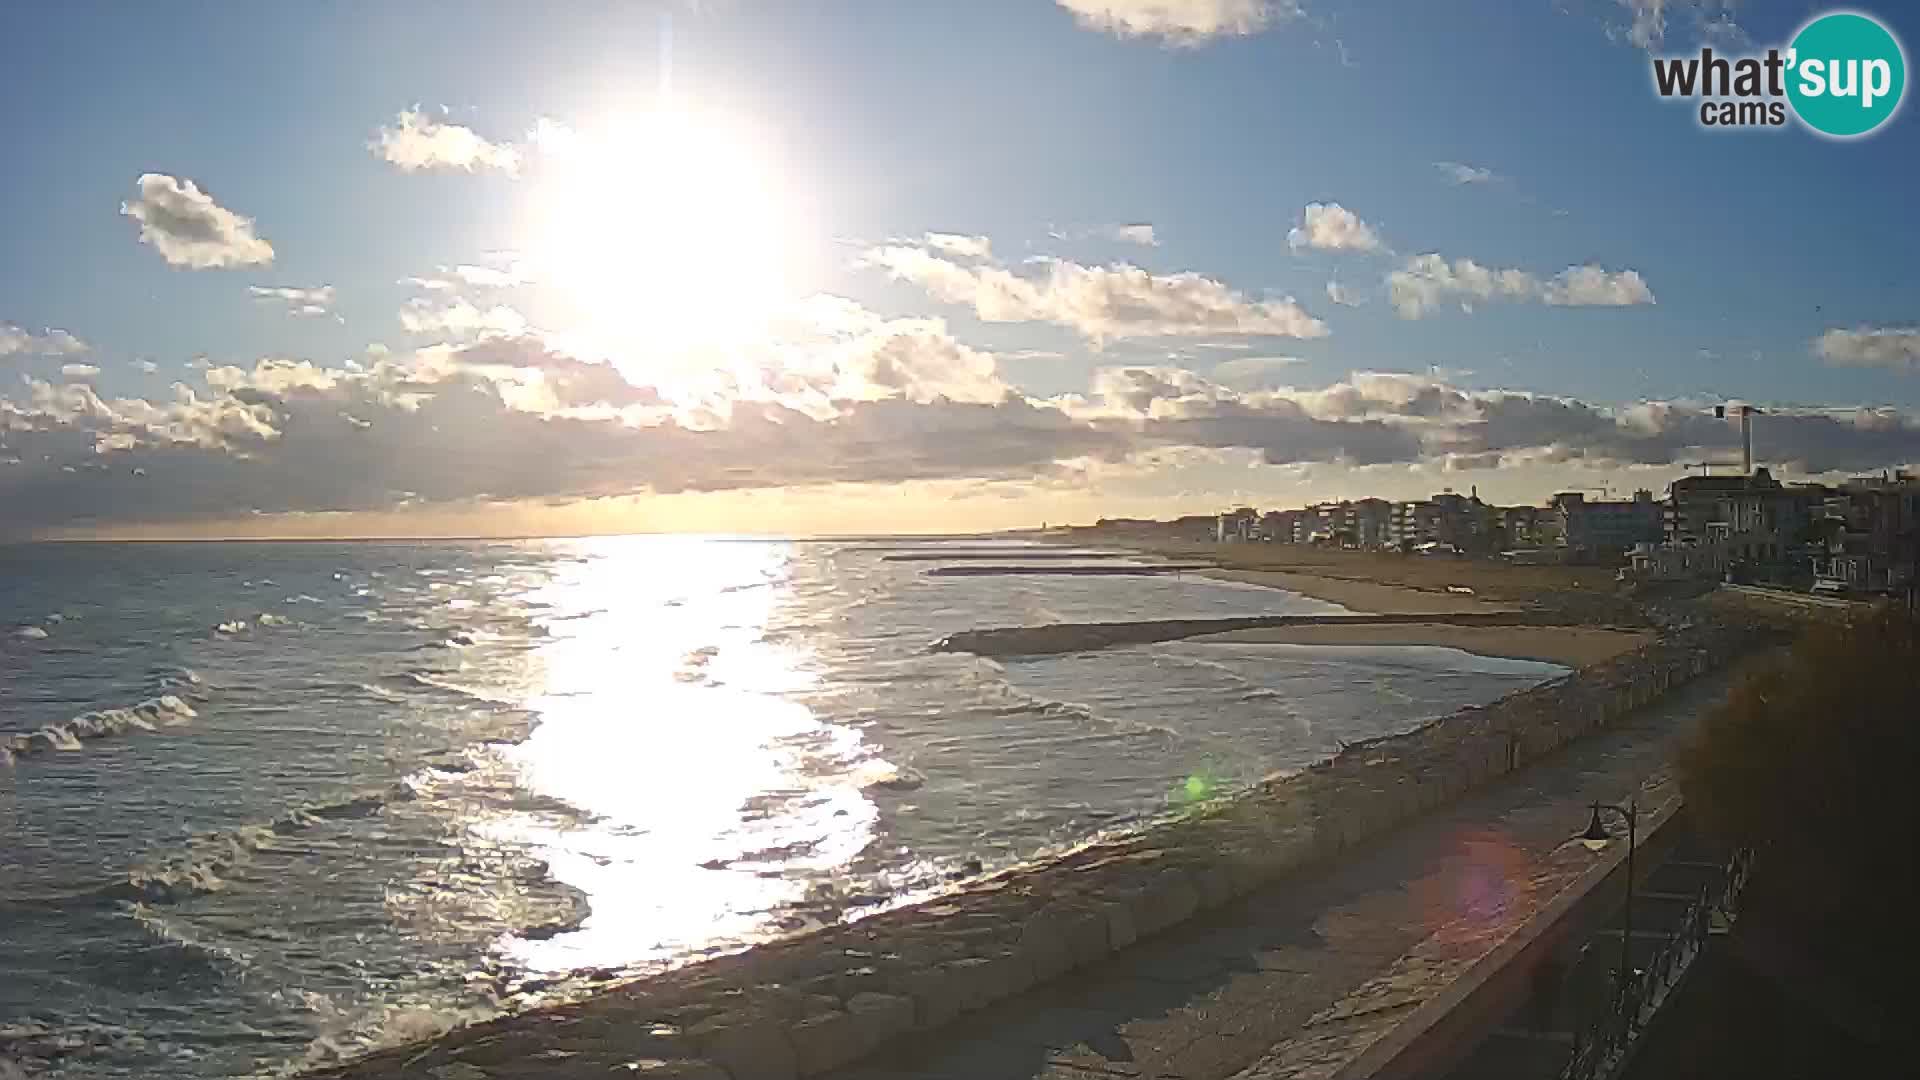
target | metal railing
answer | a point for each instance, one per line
(1601, 1045)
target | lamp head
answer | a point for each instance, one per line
(1596, 836)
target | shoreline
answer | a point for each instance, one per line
(1568, 646)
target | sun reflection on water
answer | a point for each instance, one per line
(668, 716)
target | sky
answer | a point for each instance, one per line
(819, 266)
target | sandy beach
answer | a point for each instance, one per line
(1365, 596)
(1571, 646)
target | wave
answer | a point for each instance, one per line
(203, 868)
(430, 681)
(166, 710)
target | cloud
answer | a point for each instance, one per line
(78, 371)
(965, 247)
(1426, 281)
(1180, 22)
(460, 318)
(1100, 303)
(297, 301)
(862, 400)
(17, 340)
(513, 419)
(1465, 174)
(1896, 347)
(1342, 295)
(1332, 227)
(417, 141)
(146, 367)
(1141, 234)
(1591, 286)
(1648, 21)
(190, 230)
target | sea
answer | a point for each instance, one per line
(264, 806)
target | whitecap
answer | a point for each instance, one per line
(30, 633)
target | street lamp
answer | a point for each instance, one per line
(1597, 838)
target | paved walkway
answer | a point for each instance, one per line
(1298, 979)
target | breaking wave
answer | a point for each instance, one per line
(208, 860)
(164, 711)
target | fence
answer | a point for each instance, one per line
(1601, 1046)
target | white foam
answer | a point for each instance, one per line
(31, 633)
(167, 710)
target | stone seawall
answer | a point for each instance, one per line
(810, 1004)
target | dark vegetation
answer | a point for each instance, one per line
(1814, 761)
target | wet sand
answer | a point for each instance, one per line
(1570, 646)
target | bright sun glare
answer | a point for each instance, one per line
(662, 231)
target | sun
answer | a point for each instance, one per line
(661, 232)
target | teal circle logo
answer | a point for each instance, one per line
(1845, 74)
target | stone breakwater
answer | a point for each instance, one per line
(810, 1004)
(1078, 637)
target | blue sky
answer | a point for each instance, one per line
(1039, 125)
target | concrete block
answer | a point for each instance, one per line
(972, 980)
(1121, 930)
(1043, 942)
(882, 1016)
(1169, 899)
(935, 994)
(824, 1043)
(747, 1045)
(1086, 932)
(1214, 883)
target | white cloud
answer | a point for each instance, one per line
(865, 399)
(460, 318)
(418, 141)
(1099, 302)
(487, 277)
(960, 246)
(1342, 295)
(78, 371)
(19, 340)
(297, 301)
(1896, 347)
(1426, 281)
(1591, 286)
(189, 229)
(1649, 21)
(1141, 234)
(1332, 227)
(1465, 174)
(146, 367)
(1180, 22)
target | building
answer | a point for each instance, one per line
(1602, 529)
(1368, 520)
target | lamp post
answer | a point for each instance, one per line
(1596, 838)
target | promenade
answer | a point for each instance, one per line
(1304, 977)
